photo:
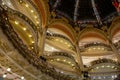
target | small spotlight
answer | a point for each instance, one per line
(4, 76)
(9, 69)
(22, 77)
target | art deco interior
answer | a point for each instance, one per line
(59, 39)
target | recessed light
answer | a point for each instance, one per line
(22, 77)
(4, 76)
(8, 69)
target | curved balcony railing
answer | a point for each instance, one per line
(61, 54)
(36, 8)
(22, 16)
(104, 61)
(96, 44)
(108, 48)
(52, 54)
(58, 35)
(31, 3)
(49, 35)
(30, 55)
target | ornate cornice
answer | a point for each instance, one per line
(30, 55)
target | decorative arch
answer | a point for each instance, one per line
(44, 11)
(63, 26)
(23, 29)
(93, 33)
(115, 27)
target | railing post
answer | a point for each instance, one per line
(79, 57)
(41, 42)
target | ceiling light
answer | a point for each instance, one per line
(64, 60)
(74, 67)
(69, 62)
(61, 41)
(102, 48)
(115, 76)
(16, 22)
(98, 47)
(68, 45)
(9, 69)
(6, 18)
(58, 59)
(3, 3)
(9, 3)
(27, 5)
(72, 64)
(89, 49)
(52, 48)
(22, 77)
(24, 29)
(61, 72)
(4, 76)
(33, 42)
(35, 16)
(65, 42)
(97, 67)
(32, 11)
(108, 66)
(51, 60)
(103, 66)
(37, 22)
(56, 39)
(21, 1)
(99, 77)
(113, 66)
(30, 35)
(32, 47)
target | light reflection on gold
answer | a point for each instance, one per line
(37, 22)
(27, 5)
(113, 66)
(51, 60)
(33, 42)
(32, 47)
(35, 17)
(68, 45)
(16, 22)
(102, 66)
(58, 59)
(24, 29)
(32, 11)
(30, 35)
(61, 41)
(21, 1)
(72, 64)
(65, 42)
(69, 62)
(64, 60)
(56, 39)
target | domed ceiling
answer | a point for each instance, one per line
(61, 39)
(84, 11)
